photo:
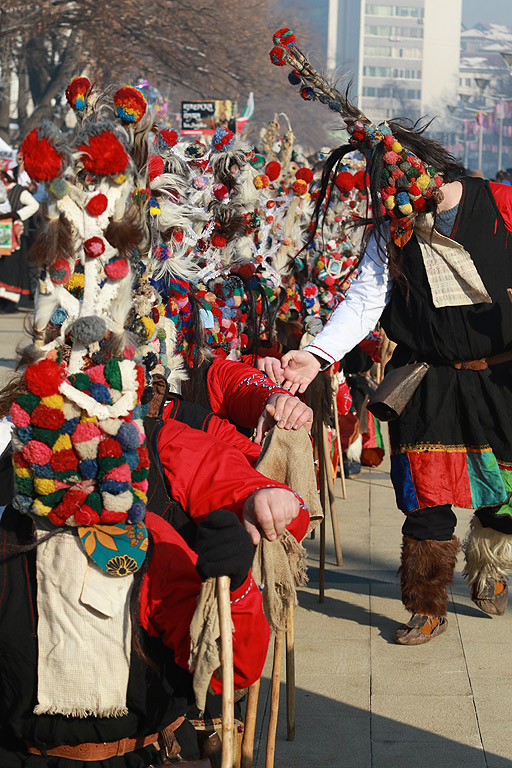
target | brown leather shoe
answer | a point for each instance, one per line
(420, 629)
(488, 601)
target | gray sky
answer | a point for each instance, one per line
(498, 11)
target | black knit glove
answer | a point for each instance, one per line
(224, 548)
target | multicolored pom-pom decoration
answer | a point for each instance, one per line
(77, 91)
(130, 104)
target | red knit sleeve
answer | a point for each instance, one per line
(205, 473)
(228, 433)
(168, 600)
(502, 194)
(239, 392)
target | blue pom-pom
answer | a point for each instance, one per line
(88, 469)
(58, 316)
(128, 437)
(293, 78)
(223, 139)
(24, 433)
(114, 486)
(335, 105)
(22, 503)
(43, 470)
(402, 198)
(100, 392)
(132, 459)
(70, 425)
(137, 512)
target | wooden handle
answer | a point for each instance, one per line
(226, 658)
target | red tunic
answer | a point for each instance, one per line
(168, 600)
(206, 473)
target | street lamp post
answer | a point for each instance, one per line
(481, 84)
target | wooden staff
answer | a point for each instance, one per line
(228, 681)
(328, 479)
(340, 451)
(322, 483)
(251, 712)
(290, 675)
(274, 701)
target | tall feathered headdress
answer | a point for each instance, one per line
(406, 182)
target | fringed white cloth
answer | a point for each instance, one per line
(84, 633)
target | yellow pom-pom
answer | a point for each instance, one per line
(320, 264)
(40, 508)
(86, 419)
(43, 486)
(149, 325)
(22, 471)
(390, 202)
(405, 209)
(63, 443)
(423, 181)
(142, 496)
(53, 401)
(75, 281)
(161, 310)
(397, 147)
(120, 178)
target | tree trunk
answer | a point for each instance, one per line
(5, 91)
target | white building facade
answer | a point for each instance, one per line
(403, 56)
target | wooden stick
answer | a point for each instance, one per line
(331, 496)
(228, 682)
(274, 701)
(290, 676)
(251, 712)
(322, 484)
(340, 451)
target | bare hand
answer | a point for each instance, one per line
(299, 368)
(287, 412)
(269, 511)
(272, 367)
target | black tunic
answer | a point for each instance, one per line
(453, 444)
(154, 700)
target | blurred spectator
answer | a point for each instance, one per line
(477, 173)
(14, 274)
(503, 177)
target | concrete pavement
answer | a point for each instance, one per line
(362, 701)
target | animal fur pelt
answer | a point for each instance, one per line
(425, 572)
(488, 554)
(54, 240)
(354, 451)
(129, 233)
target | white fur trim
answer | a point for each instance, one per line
(488, 554)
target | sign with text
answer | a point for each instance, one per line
(203, 117)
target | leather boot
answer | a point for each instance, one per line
(425, 572)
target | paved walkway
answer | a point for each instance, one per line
(362, 701)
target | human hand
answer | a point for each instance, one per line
(269, 511)
(299, 369)
(286, 411)
(224, 548)
(272, 367)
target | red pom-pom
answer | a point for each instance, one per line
(41, 160)
(70, 504)
(130, 104)
(60, 271)
(177, 235)
(104, 155)
(97, 204)
(278, 55)
(273, 170)
(220, 191)
(306, 174)
(169, 137)
(94, 247)
(64, 460)
(44, 377)
(344, 181)
(299, 187)
(110, 448)
(141, 380)
(420, 204)
(156, 166)
(86, 515)
(47, 418)
(108, 517)
(218, 241)
(360, 180)
(117, 268)
(414, 190)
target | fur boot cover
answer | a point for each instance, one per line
(426, 570)
(488, 554)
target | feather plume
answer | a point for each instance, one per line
(55, 239)
(129, 233)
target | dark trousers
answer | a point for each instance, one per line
(439, 522)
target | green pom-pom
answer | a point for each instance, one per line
(93, 500)
(52, 499)
(412, 173)
(113, 374)
(431, 170)
(106, 463)
(28, 402)
(25, 485)
(46, 436)
(385, 173)
(81, 381)
(139, 475)
(67, 476)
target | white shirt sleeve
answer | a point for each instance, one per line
(30, 205)
(359, 313)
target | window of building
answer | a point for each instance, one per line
(378, 30)
(407, 53)
(416, 32)
(408, 12)
(379, 10)
(370, 71)
(370, 91)
(377, 50)
(467, 81)
(408, 74)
